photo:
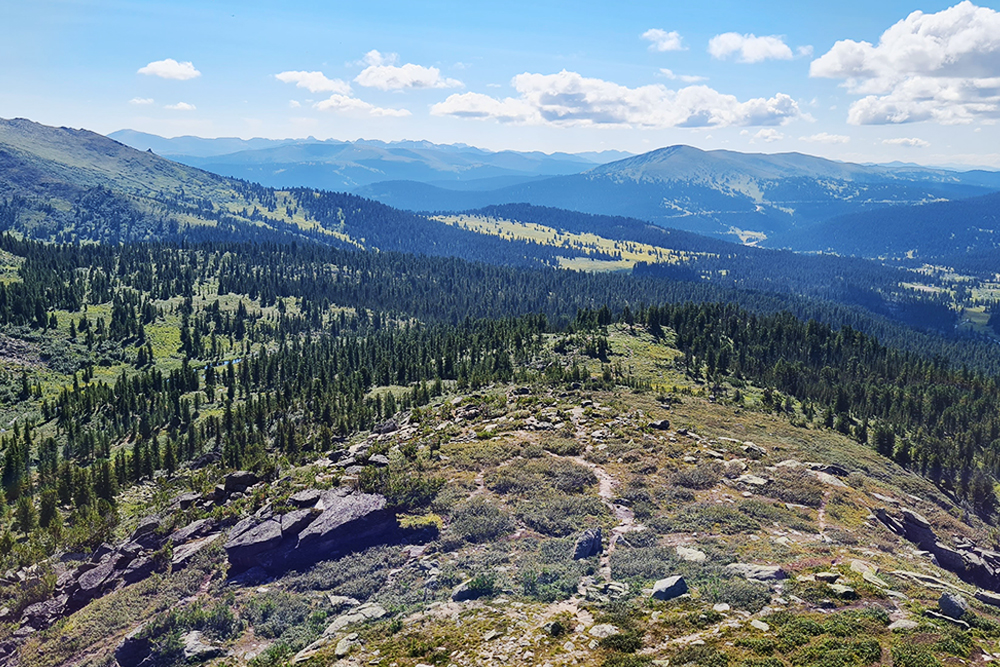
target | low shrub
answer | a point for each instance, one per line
(561, 515)
(707, 518)
(702, 476)
(794, 485)
(479, 521)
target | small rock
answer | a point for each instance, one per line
(669, 588)
(380, 460)
(691, 555)
(491, 635)
(903, 624)
(568, 646)
(828, 577)
(861, 566)
(602, 630)
(752, 480)
(660, 425)
(843, 592)
(753, 451)
(759, 572)
(721, 608)
(953, 605)
(760, 625)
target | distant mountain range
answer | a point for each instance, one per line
(735, 195)
(346, 166)
(771, 200)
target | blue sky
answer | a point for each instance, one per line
(861, 81)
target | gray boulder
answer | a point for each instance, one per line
(588, 544)
(43, 614)
(239, 481)
(670, 588)
(660, 425)
(953, 605)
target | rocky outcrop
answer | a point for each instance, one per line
(110, 568)
(973, 564)
(340, 522)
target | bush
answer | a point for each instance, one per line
(910, 655)
(738, 593)
(480, 521)
(533, 476)
(709, 518)
(561, 515)
(359, 575)
(644, 563)
(700, 656)
(563, 446)
(625, 642)
(403, 488)
(702, 476)
(794, 485)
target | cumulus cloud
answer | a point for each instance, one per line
(315, 82)
(686, 78)
(294, 104)
(908, 142)
(384, 75)
(170, 69)
(767, 135)
(750, 48)
(353, 105)
(180, 106)
(141, 101)
(568, 99)
(663, 40)
(826, 138)
(942, 67)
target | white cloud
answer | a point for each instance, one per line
(942, 67)
(376, 58)
(686, 78)
(352, 105)
(141, 100)
(381, 73)
(568, 99)
(663, 40)
(751, 49)
(767, 135)
(180, 106)
(170, 69)
(908, 142)
(804, 51)
(826, 138)
(294, 104)
(315, 82)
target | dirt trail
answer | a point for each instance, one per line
(624, 515)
